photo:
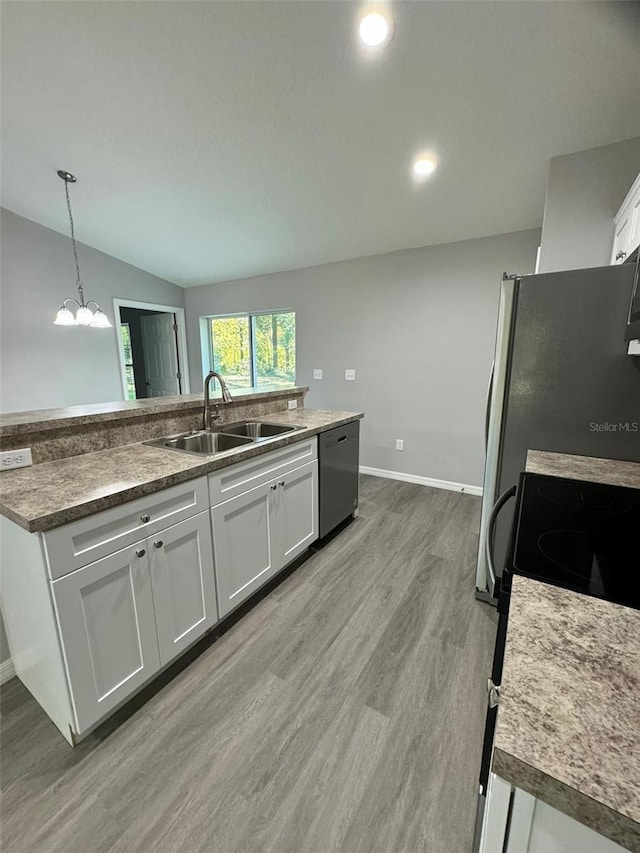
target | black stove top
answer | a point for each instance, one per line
(579, 535)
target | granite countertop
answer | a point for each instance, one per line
(611, 471)
(54, 493)
(568, 727)
(13, 423)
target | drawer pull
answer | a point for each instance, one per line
(158, 544)
(281, 483)
(273, 488)
(140, 552)
(145, 518)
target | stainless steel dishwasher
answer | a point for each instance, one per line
(338, 455)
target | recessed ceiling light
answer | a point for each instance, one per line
(424, 166)
(375, 29)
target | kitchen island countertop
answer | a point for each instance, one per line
(614, 472)
(54, 493)
(568, 729)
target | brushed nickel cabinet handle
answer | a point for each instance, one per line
(620, 255)
(281, 483)
(140, 552)
(158, 544)
(273, 488)
(145, 518)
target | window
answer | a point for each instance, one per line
(128, 361)
(251, 350)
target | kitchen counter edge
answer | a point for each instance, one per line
(35, 522)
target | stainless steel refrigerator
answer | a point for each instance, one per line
(561, 381)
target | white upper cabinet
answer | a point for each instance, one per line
(626, 236)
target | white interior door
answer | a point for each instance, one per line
(160, 354)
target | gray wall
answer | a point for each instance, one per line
(43, 365)
(584, 192)
(418, 326)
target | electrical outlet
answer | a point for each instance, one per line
(350, 374)
(317, 373)
(292, 404)
(399, 444)
(16, 458)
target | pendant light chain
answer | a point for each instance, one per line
(73, 242)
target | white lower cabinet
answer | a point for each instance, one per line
(108, 631)
(258, 532)
(297, 512)
(516, 822)
(95, 608)
(184, 593)
(125, 616)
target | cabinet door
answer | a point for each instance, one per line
(297, 511)
(108, 631)
(181, 563)
(244, 549)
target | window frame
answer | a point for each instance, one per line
(207, 350)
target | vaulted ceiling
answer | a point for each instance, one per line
(216, 140)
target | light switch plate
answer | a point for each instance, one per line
(350, 374)
(317, 373)
(292, 404)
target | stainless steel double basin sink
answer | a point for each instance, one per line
(223, 440)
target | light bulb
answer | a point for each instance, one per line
(100, 320)
(64, 317)
(374, 29)
(84, 316)
(424, 166)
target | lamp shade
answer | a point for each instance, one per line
(100, 320)
(84, 316)
(64, 317)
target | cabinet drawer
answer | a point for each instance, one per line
(232, 481)
(84, 541)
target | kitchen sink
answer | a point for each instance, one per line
(225, 439)
(202, 442)
(257, 430)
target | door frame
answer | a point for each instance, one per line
(181, 338)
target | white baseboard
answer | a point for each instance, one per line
(423, 481)
(6, 670)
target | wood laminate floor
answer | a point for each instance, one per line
(344, 712)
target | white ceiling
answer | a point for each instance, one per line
(216, 140)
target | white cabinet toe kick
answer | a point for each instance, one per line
(95, 609)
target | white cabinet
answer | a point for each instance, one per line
(125, 616)
(108, 632)
(516, 822)
(297, 512)
(261, 530)
(184, 594)
(626, 236)
(243, 540)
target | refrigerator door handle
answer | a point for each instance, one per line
(488, 409)
(491, 529)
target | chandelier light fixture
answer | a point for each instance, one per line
(84, 316)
